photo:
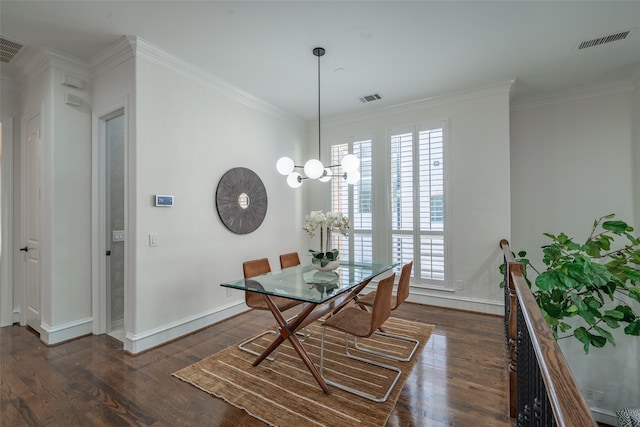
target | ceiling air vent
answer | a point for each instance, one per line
(370, 98)
(9, 49)
(604, 39)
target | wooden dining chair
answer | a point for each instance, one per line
(289, 260)
(400, 297)
(360, 323)
(256, 301)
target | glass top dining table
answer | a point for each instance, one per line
(305, 283)
(323, 292)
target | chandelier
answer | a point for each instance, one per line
(348, 169)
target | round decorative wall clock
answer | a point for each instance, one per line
(241, 200)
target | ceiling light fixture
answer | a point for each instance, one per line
(313, 168)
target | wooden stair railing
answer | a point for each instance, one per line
(542, 389)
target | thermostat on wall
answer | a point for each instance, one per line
(164, 200)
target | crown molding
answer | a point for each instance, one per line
(36, 61)
(584, 92)
(158, 56)
(636, 78)
(31, 63)
(68, 63)
(112, 56)
(505, 86)
(9, 82)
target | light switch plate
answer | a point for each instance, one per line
(117, 236)
(154, 239)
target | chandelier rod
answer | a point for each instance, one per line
(318, 51)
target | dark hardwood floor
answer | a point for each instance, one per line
(460, 379)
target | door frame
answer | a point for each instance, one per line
(99, 188)
(7, 289)
(38, 111)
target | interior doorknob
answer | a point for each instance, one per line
(25, 249)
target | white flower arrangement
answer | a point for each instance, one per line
(326, 223)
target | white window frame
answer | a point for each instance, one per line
(381, 202)
(350, 240)
(416, 233)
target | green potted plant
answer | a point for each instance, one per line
(594, 283)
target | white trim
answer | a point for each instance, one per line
(98, 212)
(136, 343)
(456, 97)
(28, 116)
(447, 299)
(158, 56)
(8, 82)
(55, 335)
(111, 57)
(576, 94)
(604, 416)
(7, 250)
(450, 300)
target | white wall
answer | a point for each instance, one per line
(70, 204)
(480, 196)
(10, 113)
(187, 136)
(572, 162)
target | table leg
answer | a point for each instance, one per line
(288, 331)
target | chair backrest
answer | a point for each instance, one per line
(254, 268)
(289, 260)
(381, 309)
(403, 284)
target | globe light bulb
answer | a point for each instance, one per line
(326, 175)
(350, 163)
(313, 169)
(294, 180)
(285, 165)
(352, 177)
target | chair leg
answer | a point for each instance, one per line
(387, 355)
(371, 362)
(242, 345)
(301, 336)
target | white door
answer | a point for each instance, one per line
(31, 196)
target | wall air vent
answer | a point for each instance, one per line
(370, 98)
(604, 39)
(9, 49)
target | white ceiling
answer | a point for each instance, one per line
(404, 51)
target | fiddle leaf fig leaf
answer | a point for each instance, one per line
(564, 327)
(617, 227)
(606, 334)
(597, 340)
(547, 280)
(582, 335)
(611, 322)
(618, 315)
(633, 328)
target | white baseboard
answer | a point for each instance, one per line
(51, 335)
(604, 416)
(136, 343)
(460, 303)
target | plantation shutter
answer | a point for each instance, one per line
(417, 202)
(355, 201)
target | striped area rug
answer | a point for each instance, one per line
(284, 393)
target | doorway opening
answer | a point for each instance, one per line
(115, 232)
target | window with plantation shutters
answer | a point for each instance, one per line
(408, 221)
(355, 201)
(418, 202)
